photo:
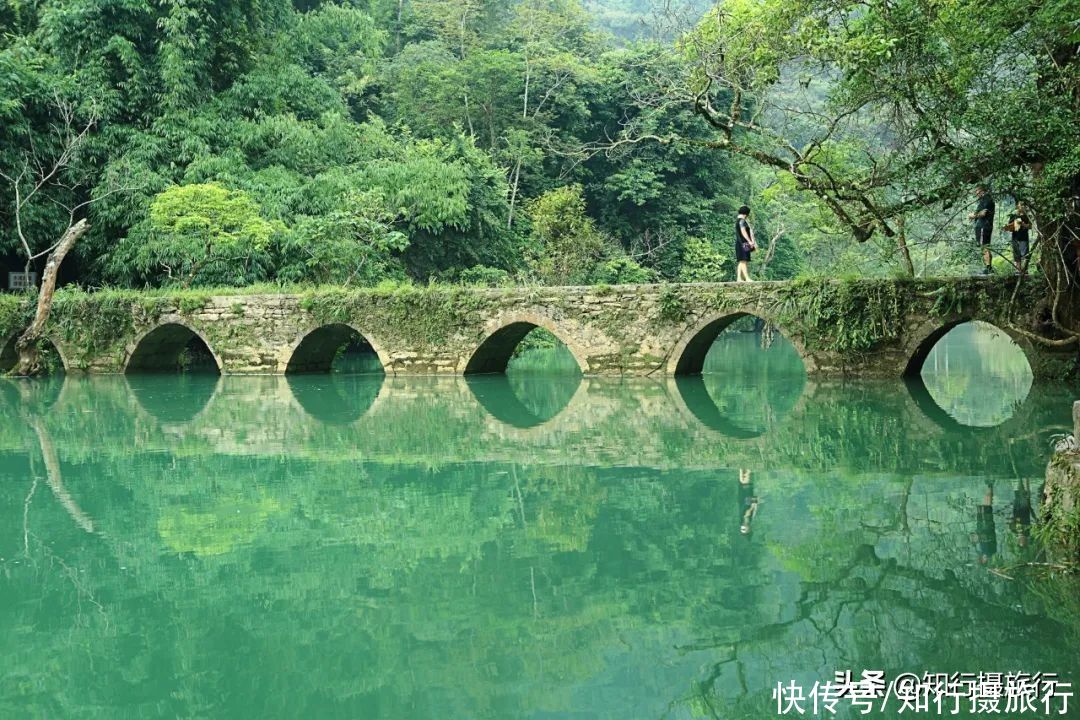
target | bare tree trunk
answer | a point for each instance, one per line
(28, 345)
(528, 78)
(901, 243)
(513, 194)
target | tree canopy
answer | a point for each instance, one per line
(374, 140)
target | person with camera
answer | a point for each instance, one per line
(1020, 226)
(744, 244)
(984, 224)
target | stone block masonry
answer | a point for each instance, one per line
(867, 328)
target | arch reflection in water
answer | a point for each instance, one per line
(523, 401)
(336, 399)
(974, 375)
(751, 380)
(337, 348)
(173, 348)
(539, 383)
(172, 399)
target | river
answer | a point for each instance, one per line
(539, 545)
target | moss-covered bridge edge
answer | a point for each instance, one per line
(856, 328)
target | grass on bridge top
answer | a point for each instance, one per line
(390, 287)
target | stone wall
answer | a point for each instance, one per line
(873, 328)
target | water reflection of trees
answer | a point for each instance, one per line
(977, 375)
(488, 590)
(752, 379)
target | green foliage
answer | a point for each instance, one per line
(704, 262)
(484, 276)
(353, 244)
(201, 234)
(622, 271)
(672, 305)
(390, 141)
(851, 316)
(567, 244)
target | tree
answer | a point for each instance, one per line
(567, 244)
(354, 244)
(201, 234)
(703, 262)
(883, 109)
(50, 176)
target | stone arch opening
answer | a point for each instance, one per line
(960, 332)
(9, 357)
(336, 348)
(968, 373)
(173, 348)
(496, 352)
(693, 355)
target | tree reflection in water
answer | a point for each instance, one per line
(977, 375)
(425, 561)
(753, 379)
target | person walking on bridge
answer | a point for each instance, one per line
(984, 224)
(744, 244)
(1020, 226)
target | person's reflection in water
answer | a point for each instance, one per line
(985, 537)
(1021, 513)
(748, 502)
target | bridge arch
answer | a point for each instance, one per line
(495, 351)
(927, 335)
(688, 357)
(160, 348)
(314, 350)
(9, 357)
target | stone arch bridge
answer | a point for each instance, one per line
(869, 328)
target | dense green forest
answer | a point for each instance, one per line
(228, 142)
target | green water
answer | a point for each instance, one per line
(540, 545)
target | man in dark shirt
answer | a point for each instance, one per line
(1020, 226)
(984, 224)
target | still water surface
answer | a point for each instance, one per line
(532, 546)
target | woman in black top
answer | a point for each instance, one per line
(744, 244)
